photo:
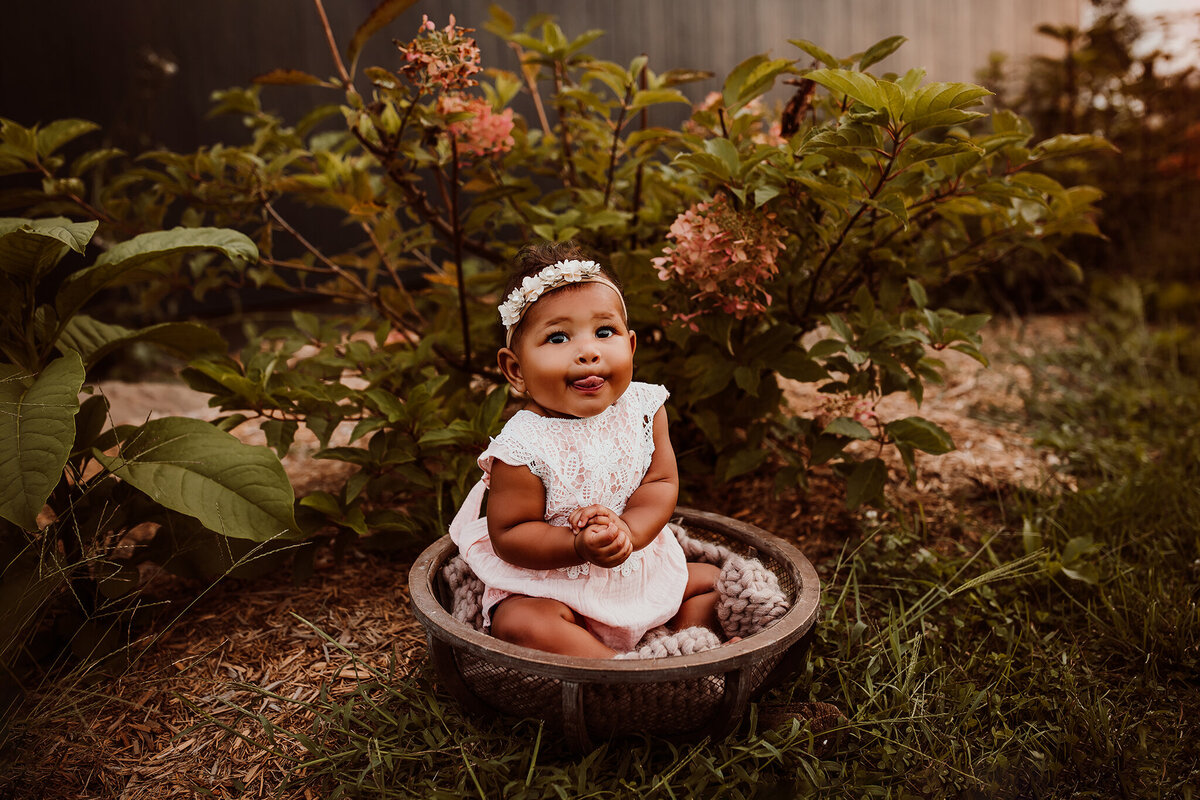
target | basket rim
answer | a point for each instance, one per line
(777, 638)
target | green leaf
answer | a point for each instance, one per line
(289, 77)
(30, 248)
(380, 16)
(726, 151)
(941, 104)
(918, 293)
(860, 87)
(651, 97)
(881, 50)
(922, 434)
(844, 426)
(147, 256)
(866, 482)
(93, 339)
(1070, 144)
(61, 131)
(37, 431)
(190, 466)
(816, 52)
(743, 461)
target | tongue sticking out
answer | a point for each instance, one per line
(591, 382)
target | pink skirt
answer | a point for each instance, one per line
(620, 603)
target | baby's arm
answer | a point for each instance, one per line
(516, 510)
(520, 535)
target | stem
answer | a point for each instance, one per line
(349, 277)
(568, 156)
(392, 271)
(530, 76)
(883, 179)
(643, 123)
(463, 312)
(612, 156)
(337, 56)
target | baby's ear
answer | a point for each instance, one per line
(510, 367)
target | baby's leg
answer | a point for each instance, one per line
(545, 624)
(699, 605)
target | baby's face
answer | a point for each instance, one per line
(574, 354)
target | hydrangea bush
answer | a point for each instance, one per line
(755, 244)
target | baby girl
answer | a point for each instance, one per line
(571, 541)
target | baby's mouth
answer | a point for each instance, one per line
(591, 383)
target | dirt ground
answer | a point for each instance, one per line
(167, 726)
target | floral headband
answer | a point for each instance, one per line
(556, 275)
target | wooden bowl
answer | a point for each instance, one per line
(585, 698)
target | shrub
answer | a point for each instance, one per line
(71, 485)
(752, 251)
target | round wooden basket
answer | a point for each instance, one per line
(681, 696)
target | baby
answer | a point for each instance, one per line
(573, 548)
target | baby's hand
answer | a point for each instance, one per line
(582, 517)
(605, 543)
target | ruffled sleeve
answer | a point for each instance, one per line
(651, 397)
(515, 447)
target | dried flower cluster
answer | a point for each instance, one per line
(726, 254)
(484, 132)
(442, 59)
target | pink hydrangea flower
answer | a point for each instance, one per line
(484, 132)
(440, 60)
(725, 255)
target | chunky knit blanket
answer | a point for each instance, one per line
(750, 599)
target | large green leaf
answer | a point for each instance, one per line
(922, 434)
(192, 467)
(858, 85)
(148, 256)
(37, 430)
(60, 132)
(30, 248)
(866, 482)
(93, 339)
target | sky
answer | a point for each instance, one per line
(1181, 36)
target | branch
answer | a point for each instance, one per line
(612, 156)
(342, 273)
(530, 76)
(337, 56)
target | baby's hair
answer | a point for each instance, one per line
(533, 258)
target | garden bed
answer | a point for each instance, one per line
(180, 719)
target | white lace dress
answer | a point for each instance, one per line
(594, 460)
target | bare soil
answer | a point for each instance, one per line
(168, 725)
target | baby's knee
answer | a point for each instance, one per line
(522, 620)
(701, 578)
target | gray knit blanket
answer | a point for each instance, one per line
(750, 599)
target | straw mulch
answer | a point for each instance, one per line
(168, 725)
(155, 731)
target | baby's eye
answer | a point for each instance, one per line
(558, 337)
(605, 331)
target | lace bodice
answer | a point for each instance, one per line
(600, 459)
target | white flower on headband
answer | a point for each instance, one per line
(534, 286)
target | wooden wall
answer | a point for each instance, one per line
(88, 58)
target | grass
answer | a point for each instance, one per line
(1057, 656)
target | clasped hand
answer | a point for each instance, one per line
(601, 536)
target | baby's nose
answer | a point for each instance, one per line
(588, 355)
